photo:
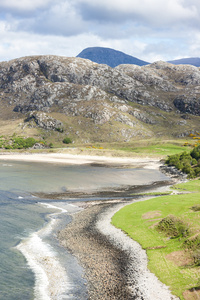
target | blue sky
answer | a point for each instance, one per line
(147, 29)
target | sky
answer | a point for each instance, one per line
(150, 30)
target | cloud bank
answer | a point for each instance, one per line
(149, 30)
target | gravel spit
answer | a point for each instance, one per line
(115, 265)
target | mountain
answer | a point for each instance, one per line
(52, 97)
(195, 61)
(114, 58)
(109, 57)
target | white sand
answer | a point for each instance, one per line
(72, 159)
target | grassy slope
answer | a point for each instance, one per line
(171, 264)
(142, 148)
(159, 148)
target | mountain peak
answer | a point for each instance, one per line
(110, 57)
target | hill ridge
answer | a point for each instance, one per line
(109, 56)
(89, 102)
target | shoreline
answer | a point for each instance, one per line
(51, 279)
(142, 284)
(115, 265)
(112, 193)
(114, 281)
(78, 159)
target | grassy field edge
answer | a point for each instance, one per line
(169, 258)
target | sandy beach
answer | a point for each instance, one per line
(73, 159)
(115, 266)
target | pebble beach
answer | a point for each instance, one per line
(115, 265)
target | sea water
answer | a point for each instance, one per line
(30, 255)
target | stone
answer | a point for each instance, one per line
(44, 121)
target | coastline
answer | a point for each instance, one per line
(141, 283)
(51, 279)
(78, 159)
(115, 265)
(110, 269)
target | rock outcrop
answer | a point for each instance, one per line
(44, 121)
(138, 98)
(188, 104)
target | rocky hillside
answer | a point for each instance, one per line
(109, 57)
(90, 102)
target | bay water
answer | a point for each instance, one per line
(28, 225)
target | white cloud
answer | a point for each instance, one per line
(23, 5)
(156, 12)
(60, 19)
(25, 44)
(149, 30)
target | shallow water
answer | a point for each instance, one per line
(43, 177)
(24, 220)
(16, 222)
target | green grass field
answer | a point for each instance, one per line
(171, 262)
(159, 149)
(144, 148)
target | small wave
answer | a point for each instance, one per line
(54, 207)
(52, 282)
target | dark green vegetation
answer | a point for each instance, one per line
(188, 163)
(173, 227)
(168, 228)
(16, 142)
(67, 140)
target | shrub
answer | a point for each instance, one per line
(8, 147)
(195, 153)
(197, 171)
(29, 142)
(187, 168)
(188, 163)
(59, 129)
(194, 161)
(196, 257)
(192, 242)
(20, 142)
(172, 160)
(179, 165)
(67, 140)
(173, 227)
(196, 207)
